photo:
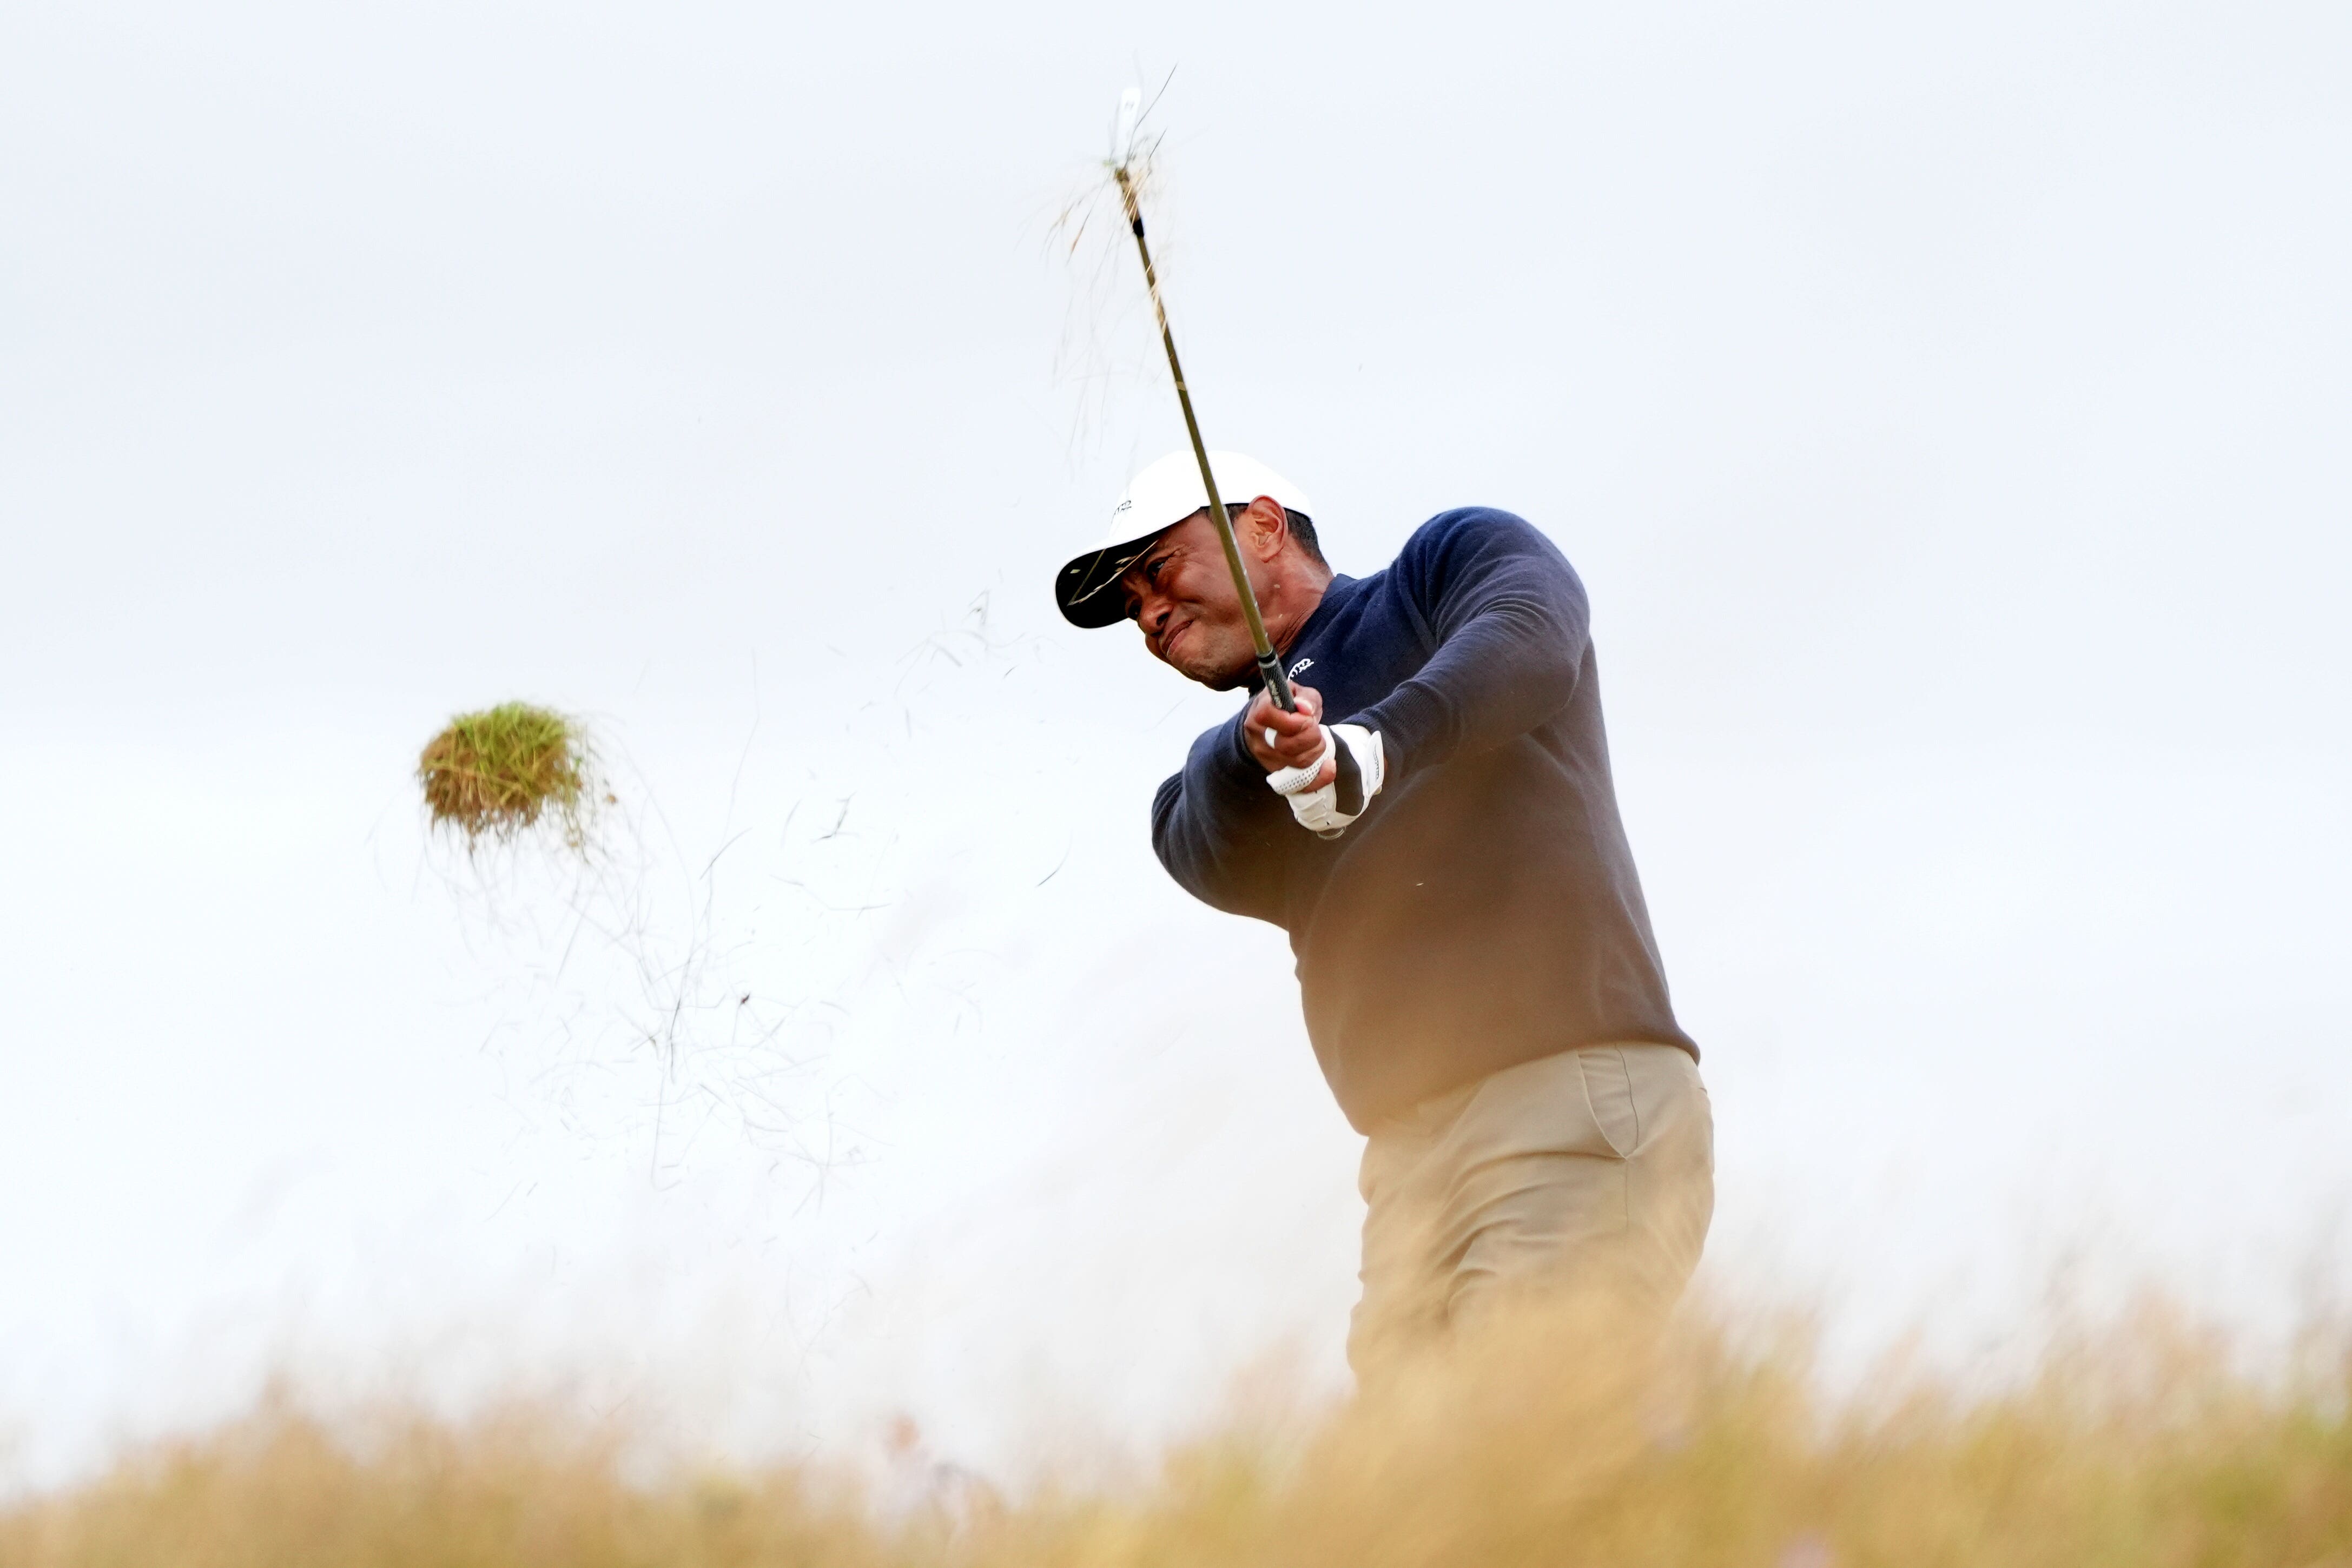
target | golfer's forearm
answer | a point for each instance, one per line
(1214, 827)
(1496, 675)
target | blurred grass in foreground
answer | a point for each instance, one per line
(2140, 1444)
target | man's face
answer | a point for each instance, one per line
(1181, 593)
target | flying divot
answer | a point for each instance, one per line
(498, 773)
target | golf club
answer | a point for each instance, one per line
(1269, 667)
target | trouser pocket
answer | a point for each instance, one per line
(1609, 1095)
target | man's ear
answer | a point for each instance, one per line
(1265, 528)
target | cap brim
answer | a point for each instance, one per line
(1086, 589)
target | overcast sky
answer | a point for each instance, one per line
(1945, 408)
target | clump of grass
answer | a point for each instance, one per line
(499, 772)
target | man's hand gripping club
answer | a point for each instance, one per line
(1328, 773)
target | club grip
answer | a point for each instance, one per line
(1269, 669)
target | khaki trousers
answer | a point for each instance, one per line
(1592, 1170)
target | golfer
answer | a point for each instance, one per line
(1437, 828)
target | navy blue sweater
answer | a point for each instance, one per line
(1485, 911)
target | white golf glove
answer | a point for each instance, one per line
(1356, 779)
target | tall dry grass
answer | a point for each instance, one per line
(2143, 1444)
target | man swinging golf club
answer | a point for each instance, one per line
(1437, 828)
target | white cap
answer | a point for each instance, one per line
(1155, 501)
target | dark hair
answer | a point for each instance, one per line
(1302, 528)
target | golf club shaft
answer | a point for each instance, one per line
(1269, 667)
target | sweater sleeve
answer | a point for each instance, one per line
(1511, 625)
(1215, 826)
